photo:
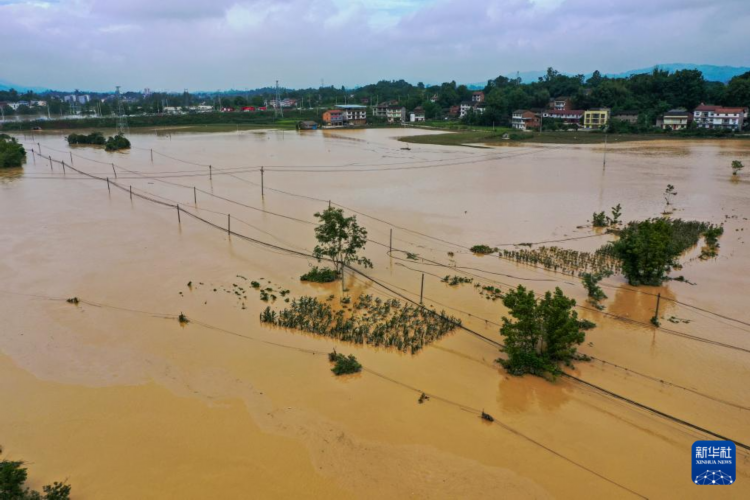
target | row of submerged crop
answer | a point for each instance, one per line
(373, 321)
(567, 261)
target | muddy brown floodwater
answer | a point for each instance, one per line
(123, 402)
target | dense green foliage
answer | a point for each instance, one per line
(95, 138)
(649, 249)
(373, 321)
(543, 333)
(13, 476)
(113, 143)
(344, 365)
(320, 275)
(117, 143)
(591, 284)
(340, 239)
(12, 154)
(483, 249)
(599, 219)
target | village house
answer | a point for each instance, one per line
(353, 114)
(595, 118)
(395, 114)
(719, 117)
(381, 110)
(569, 117)
(334, 117)
(417, 115)
(477, 96)
(524, 119)
(676, 119)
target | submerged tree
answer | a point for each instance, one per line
(12, 478)
(543, 334)
(591, 284)
(647, 251)
(340, 239)
(669, 195)
(12, 154)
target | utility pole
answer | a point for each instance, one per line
(122, 121)
(421, 291)
(262, 186)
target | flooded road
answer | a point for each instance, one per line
(119, 398)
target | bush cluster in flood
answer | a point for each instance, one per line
(97, 139)
(320, 275)
(456, 280)
(374, 321)
(483, 249)
(12, 154)
(344, 365)
(649, 249)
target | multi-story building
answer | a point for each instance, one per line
(381, 110)
(477, 96)
(524, 119)
(464, 108)
(395, 114)
(569, 117)
(346, 114)
(334, 117)
(595, 118)
(676, 119)
(718, 117)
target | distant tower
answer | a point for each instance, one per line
(122, 120)
(278, 111)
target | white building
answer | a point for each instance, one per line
(719, 117)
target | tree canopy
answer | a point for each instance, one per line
(542, 334)
(340, 239)
(12, 154)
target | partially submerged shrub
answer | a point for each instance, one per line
(456, 280)
(344, 364)
(73, 300)
(320, 275)
(599, 219)
(183, 319)
(483, 249)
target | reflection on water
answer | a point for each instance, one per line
(10, 174)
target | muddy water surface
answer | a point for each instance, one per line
(117, 397)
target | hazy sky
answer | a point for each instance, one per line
(211, 44)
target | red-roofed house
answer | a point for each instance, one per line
(719, 117)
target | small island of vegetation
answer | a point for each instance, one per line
(113, 143)
(12, 154)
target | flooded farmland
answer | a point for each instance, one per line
(122, 400)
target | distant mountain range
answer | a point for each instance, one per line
(710, 72)
(5, 85)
